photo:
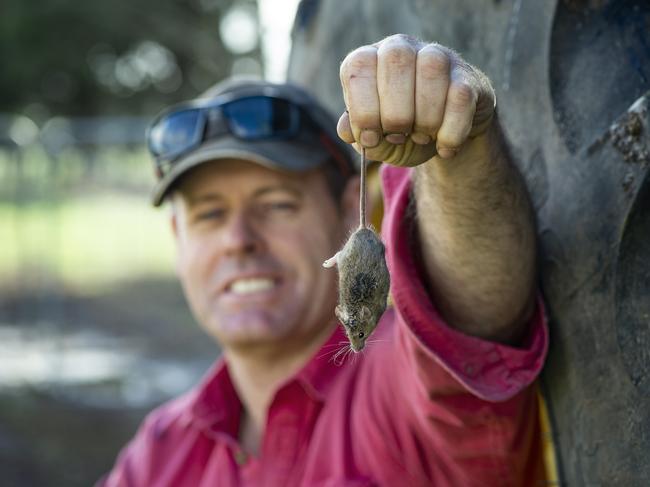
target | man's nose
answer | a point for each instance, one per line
(241, 236)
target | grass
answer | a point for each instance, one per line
(82, 231)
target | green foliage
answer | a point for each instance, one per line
(82, 227)
(70, 57)
(85, 241)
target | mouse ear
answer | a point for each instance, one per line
(364, 314)
(339, 314)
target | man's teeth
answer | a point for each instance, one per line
(245, 286)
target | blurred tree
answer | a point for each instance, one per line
(83, 58)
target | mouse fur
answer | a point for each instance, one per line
(364, 283)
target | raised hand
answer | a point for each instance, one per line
(408, 101)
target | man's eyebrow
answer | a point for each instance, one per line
(204, 198)
(216, 197)
(285, 188)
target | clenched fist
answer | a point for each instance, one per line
(408, 101)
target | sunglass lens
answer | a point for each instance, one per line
(261, 117)
(175, 133)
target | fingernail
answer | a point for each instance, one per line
(369, 138)
(395, 138)
(447, 153)
(420, 138)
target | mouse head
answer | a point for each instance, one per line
(358, 323)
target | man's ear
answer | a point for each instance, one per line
(350, 202)
(173, 220)
(176, 207)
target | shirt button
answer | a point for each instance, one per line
(240, 457)
(470, 370)
(493, 357)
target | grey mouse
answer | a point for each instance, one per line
(364, 281)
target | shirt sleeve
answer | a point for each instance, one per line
(131, 468)
(489, 370)
(151, 456)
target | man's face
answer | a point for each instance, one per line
(250, 243)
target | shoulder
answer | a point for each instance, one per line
(171, 414)
(135, 464)
(141, 460)
(160, 425)
(178, 413)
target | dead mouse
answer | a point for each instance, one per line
(363, 278)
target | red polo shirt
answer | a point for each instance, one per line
(425, 405)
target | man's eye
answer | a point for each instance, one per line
(213, 214)
(281, 206)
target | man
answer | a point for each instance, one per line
(260, 198)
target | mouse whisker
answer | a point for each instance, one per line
(355, 357)
(337, 357)
(343, 357)
(352, 354)
(333, 350)
(334, 345)
(345, 354)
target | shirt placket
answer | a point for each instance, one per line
(289, 418)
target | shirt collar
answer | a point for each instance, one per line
(320, 371)
(214, 403)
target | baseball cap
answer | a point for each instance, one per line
(279, 126)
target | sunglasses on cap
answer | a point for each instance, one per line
(179, 130)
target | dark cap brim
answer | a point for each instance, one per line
(288, 155)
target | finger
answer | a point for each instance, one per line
(359, 81)
(396, 85)
(431, 85)
(344, 129)
(485, 104)
(460, 107)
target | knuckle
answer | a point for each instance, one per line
(399, 54)
(450, 139)
(400, 39)
(460, 96)
(427, 127)
(357, 62)
(364, 118)
(432, 63)
(396, 122)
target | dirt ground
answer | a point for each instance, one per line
(63, 430)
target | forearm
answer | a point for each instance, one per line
(475, 222)
(475, 228)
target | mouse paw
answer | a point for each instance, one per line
(332, 261)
